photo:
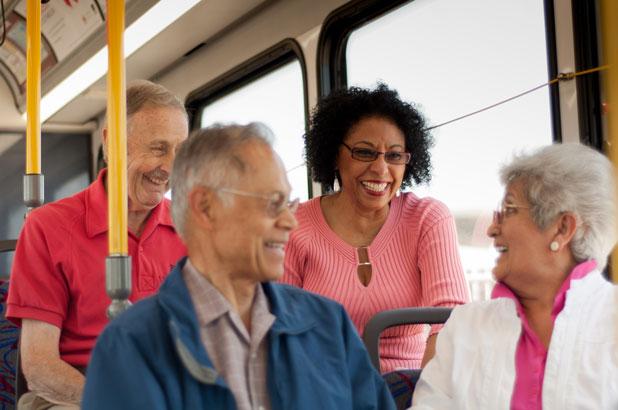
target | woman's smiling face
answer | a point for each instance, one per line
(522, 245)
(371, 185)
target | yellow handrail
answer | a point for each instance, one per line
(33, 86)
(609, 13)
(117, 130)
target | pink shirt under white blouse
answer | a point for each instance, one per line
(530, 354)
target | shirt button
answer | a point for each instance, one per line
(253, 356)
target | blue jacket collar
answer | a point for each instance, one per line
(184, 327)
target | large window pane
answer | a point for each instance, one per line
(453, 57)
(277, 100)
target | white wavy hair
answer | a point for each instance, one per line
(570, 178)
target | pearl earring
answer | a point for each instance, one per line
(554, 246)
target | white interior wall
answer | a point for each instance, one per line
(297, 19)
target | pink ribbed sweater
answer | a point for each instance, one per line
(415, 262)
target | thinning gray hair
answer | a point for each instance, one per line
(209, 157)
(144, 93)
(570, 178)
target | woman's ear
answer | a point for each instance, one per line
(565, 228)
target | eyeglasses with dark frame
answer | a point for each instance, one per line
(369, 155)
(506, 209)
(276, 202)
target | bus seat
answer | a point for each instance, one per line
(9, 341)
(9, 336)
(400, 382)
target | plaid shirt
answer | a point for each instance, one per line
(240, 357)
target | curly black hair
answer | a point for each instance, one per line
(335, 115)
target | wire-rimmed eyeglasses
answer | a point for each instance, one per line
(506, 209)
(276, 202)
(369, 154)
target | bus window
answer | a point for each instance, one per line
(452, 58)
(277, 100)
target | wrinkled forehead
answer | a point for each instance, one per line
(157, 123)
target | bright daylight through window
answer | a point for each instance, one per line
(277, 100)
(451, 58)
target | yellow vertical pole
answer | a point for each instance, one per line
(609, 22)
(117, 128)
(33, 179)
(118, 263)
(33, 86)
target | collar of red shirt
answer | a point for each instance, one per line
(96, 209)
(584, 268)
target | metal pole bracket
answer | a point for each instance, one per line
(118, 284)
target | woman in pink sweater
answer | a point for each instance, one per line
(366, 245)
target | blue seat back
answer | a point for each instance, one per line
(9, 337)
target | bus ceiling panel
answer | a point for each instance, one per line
(270, 24)
(10, 118)
(71, 33)
(204, 21)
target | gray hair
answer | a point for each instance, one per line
(144, 93)
(570, 178)
(209, 157)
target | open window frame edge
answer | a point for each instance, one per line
(339, 24)
(586, 47)
(252, 69)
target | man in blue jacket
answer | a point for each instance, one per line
(220, 334)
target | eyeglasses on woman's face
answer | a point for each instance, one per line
(506, 209)
(365, 154)
(276, 202)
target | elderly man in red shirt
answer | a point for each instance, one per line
(57, 291)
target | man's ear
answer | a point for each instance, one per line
(201, 206)
(105, 144)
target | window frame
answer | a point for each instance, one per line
(586, 48)
(339, 25)
(250, 70)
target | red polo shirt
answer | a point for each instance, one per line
(58, 273)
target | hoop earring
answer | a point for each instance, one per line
(554, 246)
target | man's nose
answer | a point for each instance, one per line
(287, 220)
(167, 161)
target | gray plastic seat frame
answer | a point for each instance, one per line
(8, 245)
(398, 317)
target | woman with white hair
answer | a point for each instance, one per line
(548, 339)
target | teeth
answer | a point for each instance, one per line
(275, 245)
(502, 249)
(375, 187)
(156, 180)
